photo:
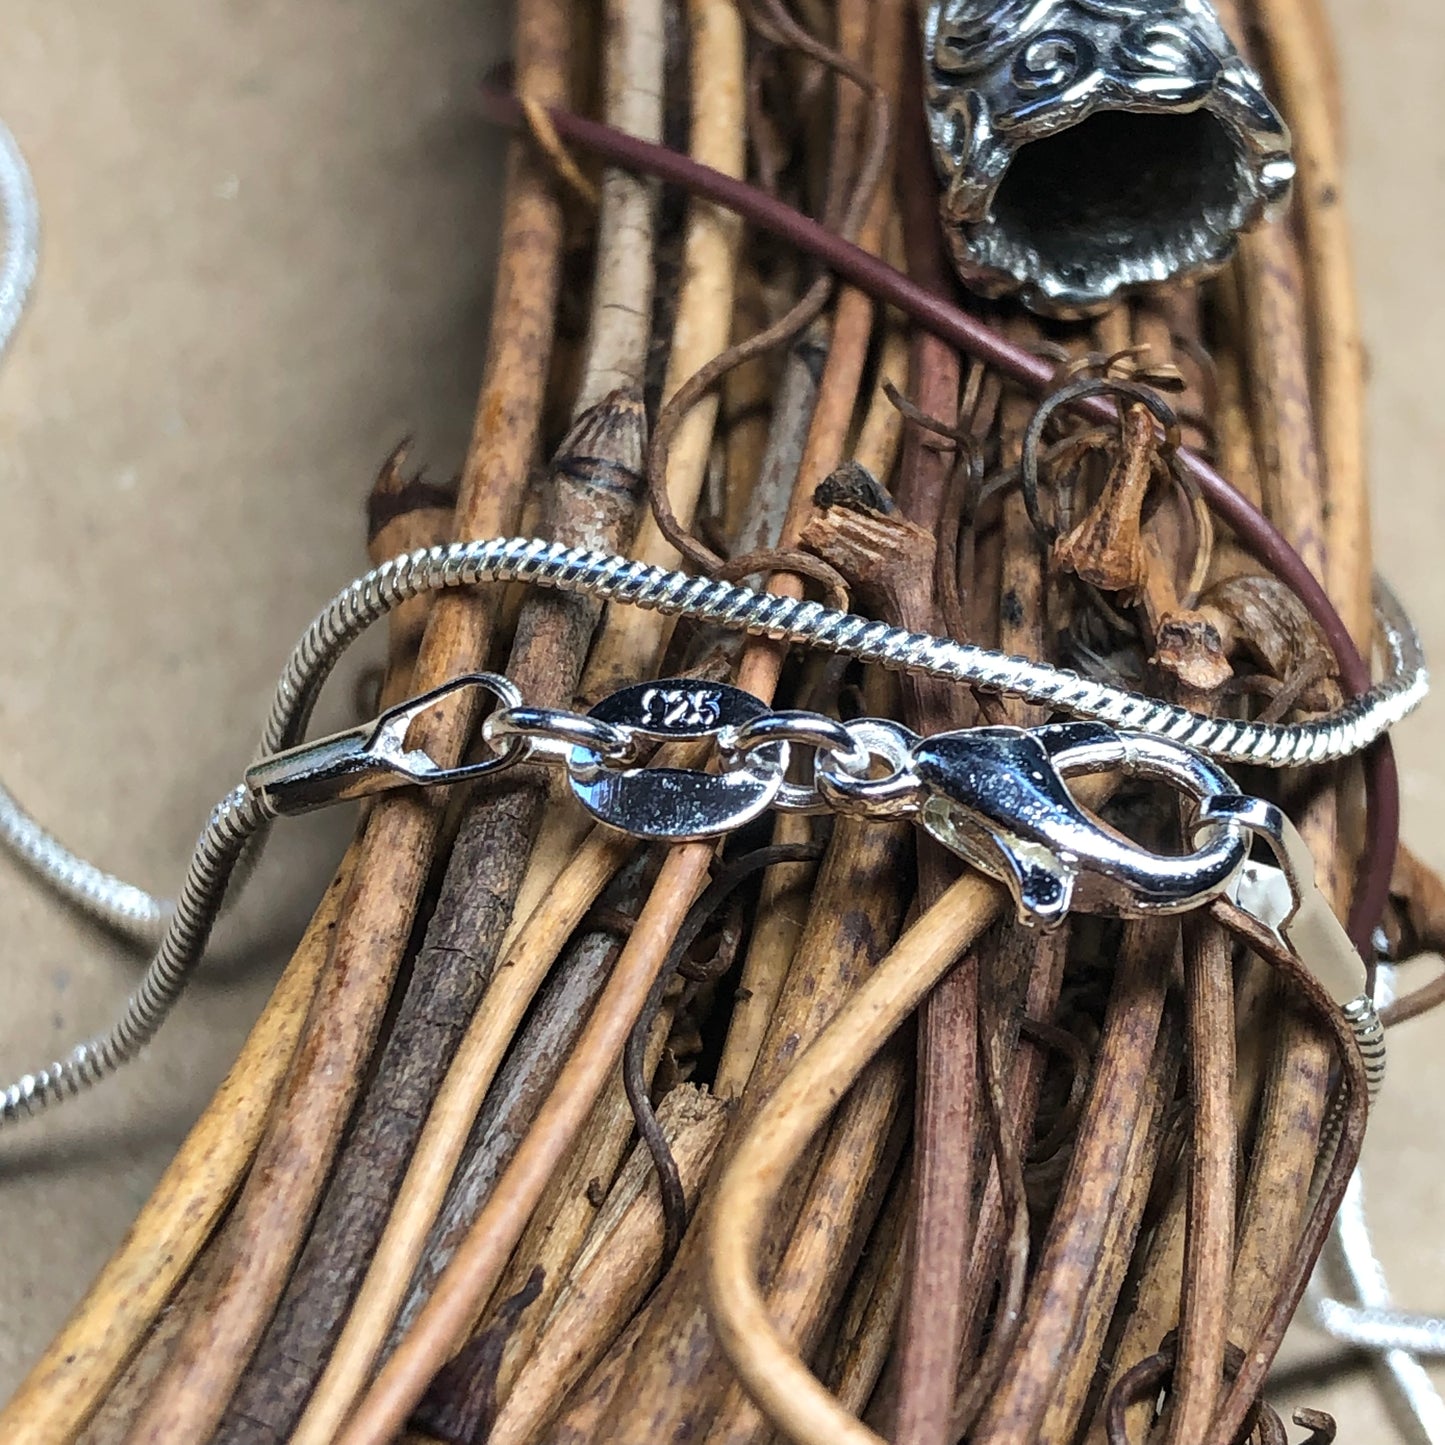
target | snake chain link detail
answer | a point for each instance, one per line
(183, 927)
(723, 604)
(1367, 1318)
(368, 599)
(232, 824)
(124, 907)
(1364, 1018)
(1396, 1336)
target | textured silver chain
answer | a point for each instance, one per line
(1367, 1317)
(1397, 1337)
(22, 235)
(370, 597)
(241, 815)
(122, 906)
(1340, 734)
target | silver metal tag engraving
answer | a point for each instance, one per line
(677, 805)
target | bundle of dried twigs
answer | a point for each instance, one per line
(463, 1182)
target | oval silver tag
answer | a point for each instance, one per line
(678, 805)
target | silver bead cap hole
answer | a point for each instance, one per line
(1161, 189)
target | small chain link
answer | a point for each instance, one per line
(553, 734)
(832, 743)
(860, 792)
(806, 729)
(587, 747)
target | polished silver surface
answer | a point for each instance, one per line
(119, 905)
(377, 755)
(1090, 147)
(551, 733)
(805, 729)
(831, 740)
(997, 796)
(679, 804)
(131, 911)
(1286, 899)
(895, 792)
(20, 215)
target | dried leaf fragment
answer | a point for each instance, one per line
(1106, 549)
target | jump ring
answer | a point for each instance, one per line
(553, 733)
(806, 729)
(829, 738)
(848, 790)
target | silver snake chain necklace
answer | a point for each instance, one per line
(996, 796)
(241, 814)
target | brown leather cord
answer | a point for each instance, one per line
(951, 323)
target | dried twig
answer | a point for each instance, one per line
(631, 637)
(478, 1263)
(729, 879)
(565, 1218)
(1209, 1230)
(841, 1206)
(533, 1056)
(471, 1071)
(276, 1206)
(595, 490)
(621, 321)
(610, 1278)
(1093, 1198)
(69, 1381)
(774, 1374)
(1299, 61)
(678, 1368)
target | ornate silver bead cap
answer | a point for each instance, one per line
(1092, 147)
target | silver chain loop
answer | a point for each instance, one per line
(554, 735)
(897, 793)
(832, 742)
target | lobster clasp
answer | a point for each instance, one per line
(997, 796)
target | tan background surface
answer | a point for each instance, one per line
(267, 242)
